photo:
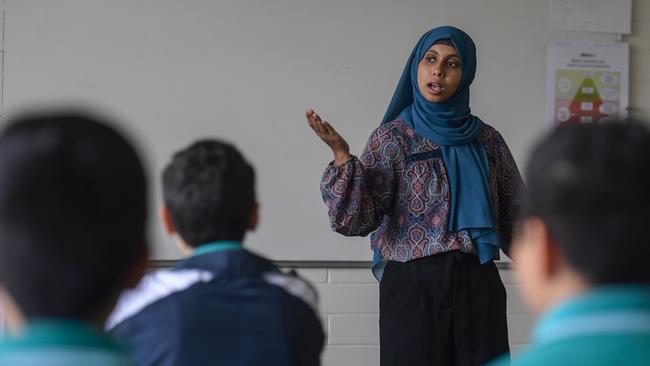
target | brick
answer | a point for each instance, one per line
(349, 298)
(520, 328)
(354, 329)
(351, 275)
(351, 356)
(516, 304)
(313, 275)
(508, 277)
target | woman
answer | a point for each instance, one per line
(437, 188)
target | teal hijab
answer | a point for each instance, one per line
(451, 125)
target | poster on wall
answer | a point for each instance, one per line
(587, 82)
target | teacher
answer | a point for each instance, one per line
(436, 188)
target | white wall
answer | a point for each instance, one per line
(640, 60)
(245, 70)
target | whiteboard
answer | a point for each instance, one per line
(245, 70)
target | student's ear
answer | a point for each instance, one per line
(14, 320)
(139, 269)
(553, 259)
(530, 254)
(536, 249)
(255, 217)
(166, 219)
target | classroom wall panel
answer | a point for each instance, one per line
(245, 70)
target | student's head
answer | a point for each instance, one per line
(586, 215)
(73, 206)
(209, 194)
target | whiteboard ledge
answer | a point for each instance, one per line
(160, 264)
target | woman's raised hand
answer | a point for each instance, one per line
(328, 134)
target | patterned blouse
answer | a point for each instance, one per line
(398, 191)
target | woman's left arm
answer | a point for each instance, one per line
(510, 189)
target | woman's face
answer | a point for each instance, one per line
(439, 73)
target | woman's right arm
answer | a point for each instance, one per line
(357, 192)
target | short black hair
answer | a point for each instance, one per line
(209, 190)
(590, 184)
(73, 208)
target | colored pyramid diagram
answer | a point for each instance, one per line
(585, 106)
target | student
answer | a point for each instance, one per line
(222, 305)
(581, 255)
(72, 236)
(436, 187)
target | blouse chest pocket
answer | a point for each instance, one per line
(426, 155)
(423, 172)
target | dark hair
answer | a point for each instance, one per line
(209, 190)
(590, 184)
(72, 214)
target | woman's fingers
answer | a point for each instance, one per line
(330, 130)
(308, 116)
(316, 123)
(311, 123)
(326, 132)
(311, 120)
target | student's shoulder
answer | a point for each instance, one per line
(61, 356)
(592, 350)
(528, 357)
(290, 282)
(153, 288)
(294, 287)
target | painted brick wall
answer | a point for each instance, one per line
(349, 308)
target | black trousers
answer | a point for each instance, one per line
(446, 310)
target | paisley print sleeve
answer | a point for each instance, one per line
(510, 192)
(359, 193)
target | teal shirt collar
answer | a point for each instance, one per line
(216, 246)
(60, 333)
(616, 309)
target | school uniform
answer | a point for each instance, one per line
(606, 326)
(222, 306)
(61, 343)
(437, 189)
